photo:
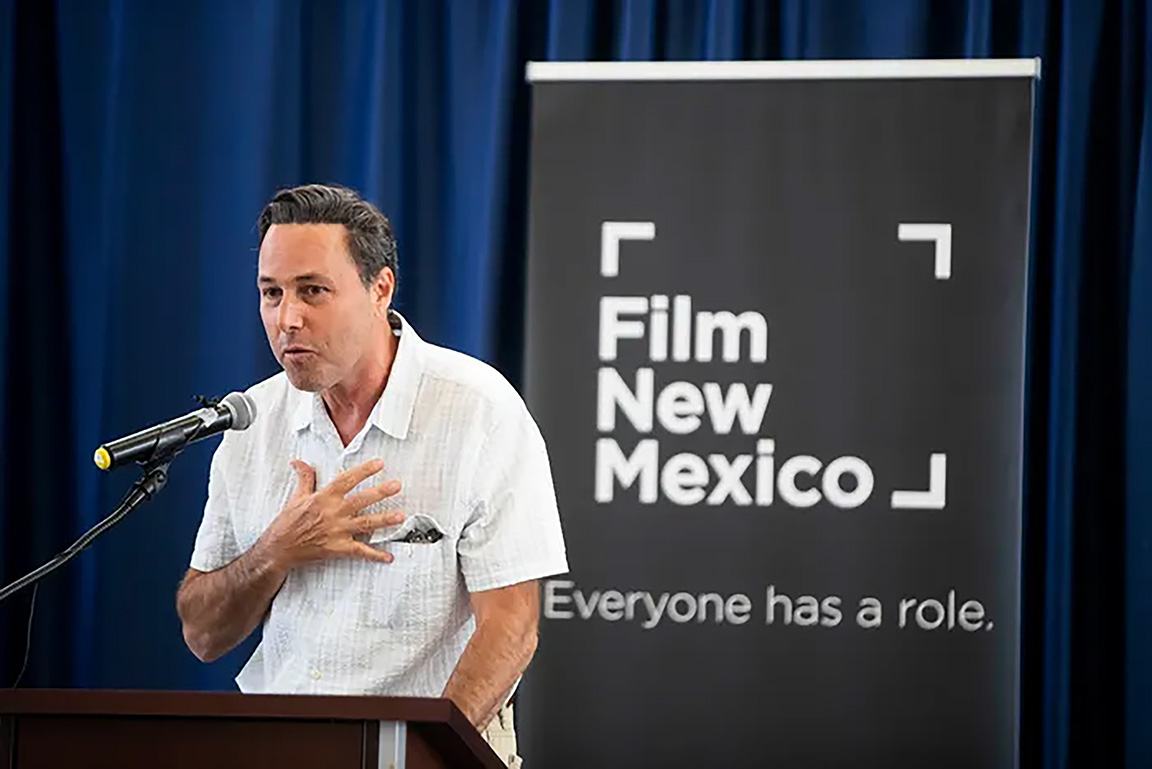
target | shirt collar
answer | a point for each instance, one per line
(393, 412)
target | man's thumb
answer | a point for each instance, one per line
(306, 478)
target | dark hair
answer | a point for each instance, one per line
(369, 233)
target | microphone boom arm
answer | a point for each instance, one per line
(154, 449)
(154, 479)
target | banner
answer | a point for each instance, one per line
(775, 343)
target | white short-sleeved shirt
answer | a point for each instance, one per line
(461, 441)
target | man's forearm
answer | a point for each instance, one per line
(220, 608)
(496, 656)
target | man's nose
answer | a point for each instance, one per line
(291, 315)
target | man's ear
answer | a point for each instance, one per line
(382, 290)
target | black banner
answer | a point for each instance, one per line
(776, 347)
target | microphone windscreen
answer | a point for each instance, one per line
(242, 408)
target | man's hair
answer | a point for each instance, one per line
(369, 233)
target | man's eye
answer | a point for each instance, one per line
(313, 290)
(270, 293)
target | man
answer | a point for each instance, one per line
(368, 425)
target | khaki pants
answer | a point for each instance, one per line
(501, 735)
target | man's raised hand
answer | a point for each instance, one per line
(316, 525)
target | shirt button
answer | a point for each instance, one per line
(315, 674)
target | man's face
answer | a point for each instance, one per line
(320, 319)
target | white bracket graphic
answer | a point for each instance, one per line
(934, 498)
(940, 234)
(611, 233)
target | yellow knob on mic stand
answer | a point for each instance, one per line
(102, 458)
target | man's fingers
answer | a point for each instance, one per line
(366, 523)
(350, 479)
(305, 478)
(370, 553)
(362, 499)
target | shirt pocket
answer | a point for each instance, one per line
(418, 586)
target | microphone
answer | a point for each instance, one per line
(235, 411)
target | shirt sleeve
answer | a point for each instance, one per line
(513, 532)
(216, 544)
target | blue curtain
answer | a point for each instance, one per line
(139, 140)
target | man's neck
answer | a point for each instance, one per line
(350, 402)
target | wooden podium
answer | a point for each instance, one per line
(81, 729)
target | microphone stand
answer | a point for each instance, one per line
(154, 479)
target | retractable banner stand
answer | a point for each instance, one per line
(776, 331)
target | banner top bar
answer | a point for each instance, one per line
(840, 69)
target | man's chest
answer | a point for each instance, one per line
(432, 475)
